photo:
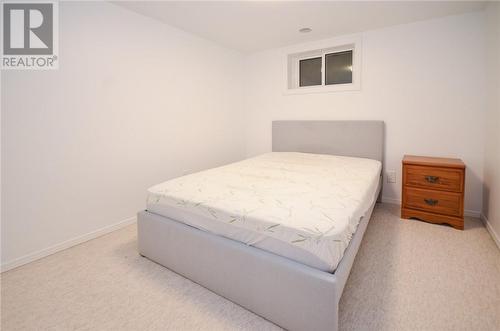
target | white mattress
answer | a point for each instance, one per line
(301, 206)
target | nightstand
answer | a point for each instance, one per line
(433, 190)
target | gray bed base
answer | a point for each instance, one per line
(287, 293)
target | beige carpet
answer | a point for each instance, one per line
(408, 275)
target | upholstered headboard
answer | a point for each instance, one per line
(346, 138)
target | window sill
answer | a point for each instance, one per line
(322, 89)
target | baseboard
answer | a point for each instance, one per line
(467, 212)
(392, 201)
(472, 213)
(494, 235)
(65, 245)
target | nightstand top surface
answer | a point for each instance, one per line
(433, 161)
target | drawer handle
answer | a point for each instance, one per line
(431, 202)
(432, 179)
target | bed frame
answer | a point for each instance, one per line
(287, 293)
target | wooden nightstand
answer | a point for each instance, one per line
(433, 190)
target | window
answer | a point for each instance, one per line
(338, 69)
(324, 69)
(310, 71)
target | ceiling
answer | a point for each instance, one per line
(250, 26)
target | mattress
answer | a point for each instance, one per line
(301, 206)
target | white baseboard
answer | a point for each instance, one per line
(494, 235)
(65, 244)
(467, 212)
(391, 201)
(472, 213)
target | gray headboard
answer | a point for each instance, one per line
(346, 138)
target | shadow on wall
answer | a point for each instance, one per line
(472, 178)
(486, 199)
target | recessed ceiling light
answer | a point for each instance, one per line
(305, 30)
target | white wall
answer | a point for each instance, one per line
(426, 80)
(135, 102)
(491, 203)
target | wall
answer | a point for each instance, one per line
(135, 102)
(491, 202)
(425, 80)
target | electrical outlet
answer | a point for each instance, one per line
(391, 176)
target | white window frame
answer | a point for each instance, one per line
(293, 56)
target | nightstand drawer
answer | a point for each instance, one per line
(440, 202)
(434, 178)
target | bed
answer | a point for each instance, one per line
(277, 233)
